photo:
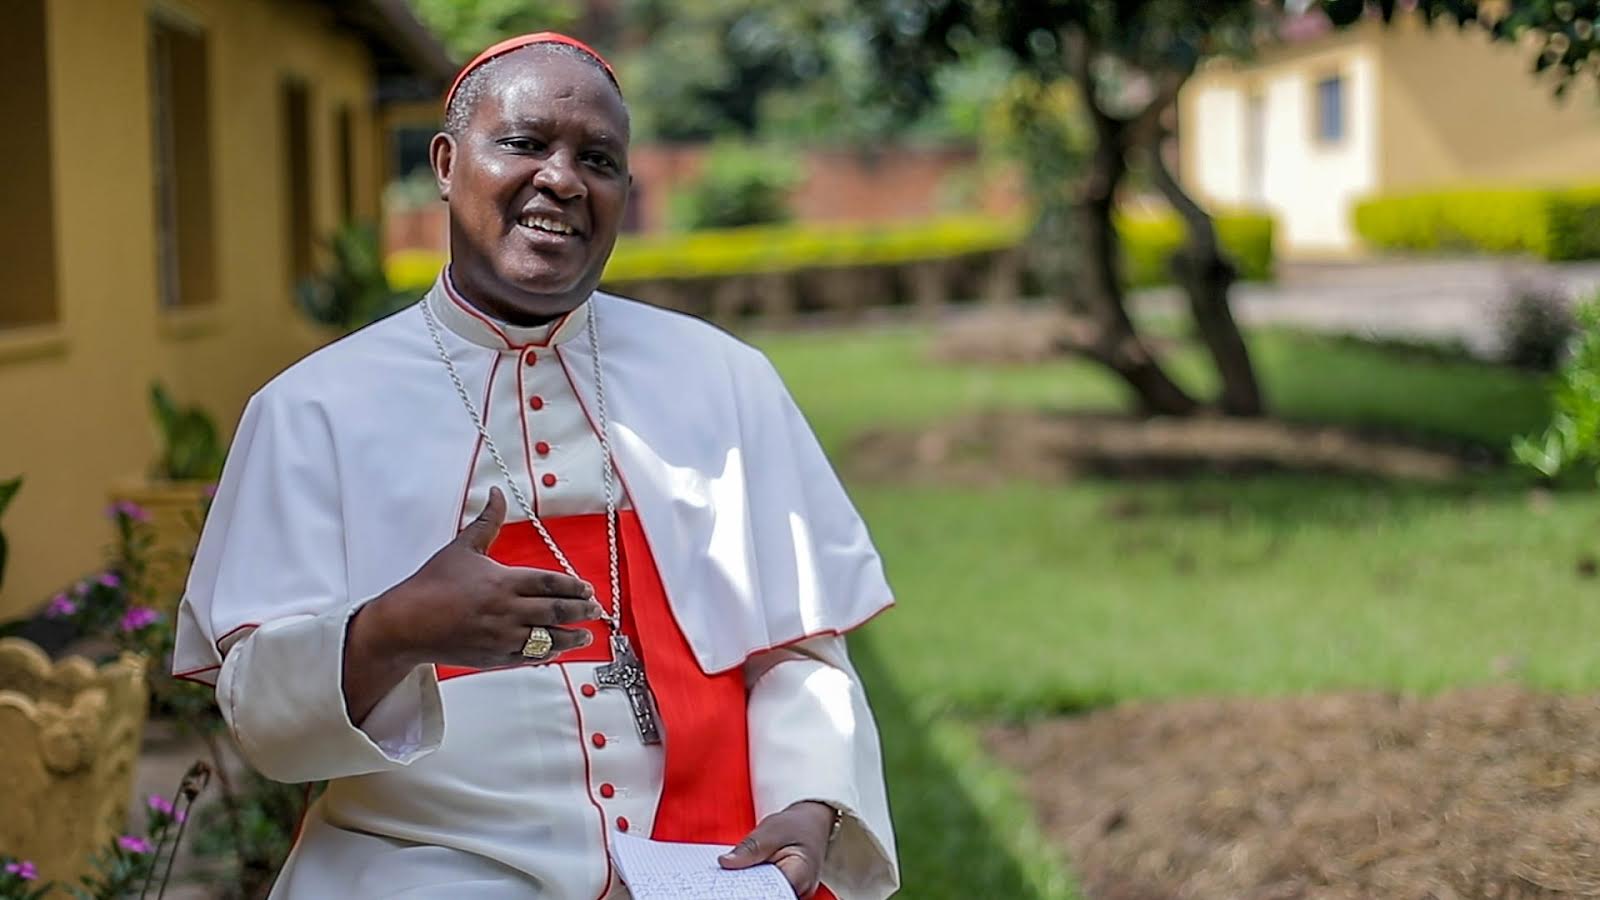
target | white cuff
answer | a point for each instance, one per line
(282, 692)
(812, 738)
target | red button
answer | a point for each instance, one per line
(599, 740)
(607, 791)
(622, 823)
(542, 448)
(588, 690)
(536, 403)
(531, 358)
(549, 480)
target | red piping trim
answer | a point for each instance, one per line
(232, 632)
(671, 608)
(588, 783)
(456, 298)
(188, 676)
(826, 632)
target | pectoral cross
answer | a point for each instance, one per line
(625, 672)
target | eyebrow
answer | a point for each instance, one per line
(537, 123)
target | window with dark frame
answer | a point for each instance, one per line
(1330, 109)
(181, 154)
(299, 233)
(344, 131)
(27, 206)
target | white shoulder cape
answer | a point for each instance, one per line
(347, 472)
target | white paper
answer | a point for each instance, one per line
(660, 870)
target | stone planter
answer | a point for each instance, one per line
(69, 739)
(177, 510)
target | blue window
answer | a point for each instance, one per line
(1330, 109)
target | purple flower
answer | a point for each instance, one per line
(127, 509)
(163, 806)
(133, 844)
(210, 491)
(61, 605)
(23, 869)
(110, 579)
(138, 617)
(80, 589)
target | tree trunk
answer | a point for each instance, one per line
(1116, 342)
(1205, 275)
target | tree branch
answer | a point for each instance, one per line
(1206, 275)
(1146, 124)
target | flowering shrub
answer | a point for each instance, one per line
(19, 880)
(119, 870)
(114, 603)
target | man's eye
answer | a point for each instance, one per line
(602, 161)
(523, 144)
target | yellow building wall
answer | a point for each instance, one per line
(1458, 109)
(74, 414)
(1305, 183)
(1444, 107)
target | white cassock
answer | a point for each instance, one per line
(354, 466)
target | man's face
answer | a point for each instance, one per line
(537, 186)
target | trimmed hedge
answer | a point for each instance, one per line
(758, 249)
(1550, 223)
(1148, 242)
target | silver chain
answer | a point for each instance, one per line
(608, 476)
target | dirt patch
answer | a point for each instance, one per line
(1482, 793)
(992, 446)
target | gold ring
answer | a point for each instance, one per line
(538, 644)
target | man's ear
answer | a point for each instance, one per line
(442, 157)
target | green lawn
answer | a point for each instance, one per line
(1023, 599)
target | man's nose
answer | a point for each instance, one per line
(558, 176)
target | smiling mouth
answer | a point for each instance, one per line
(546, 225)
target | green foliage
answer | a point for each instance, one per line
(8, 491)
(256, 826)
(1551, 223)
(119, 871)
(1571, 442)
(704, 69)
(738, 185)
(354, 290)
(1149, 242)
(190, 448)
(468, 26)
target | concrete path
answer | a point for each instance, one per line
(1459, 300)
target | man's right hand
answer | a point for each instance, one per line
(463, 608)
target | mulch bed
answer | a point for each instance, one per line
(1489, 792)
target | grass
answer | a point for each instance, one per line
(1026, 599)
(851, 380)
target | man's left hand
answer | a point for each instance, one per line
(795, 840)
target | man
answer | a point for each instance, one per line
(595, 538)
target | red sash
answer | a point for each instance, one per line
(705, 795)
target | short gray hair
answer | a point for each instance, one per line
(458, 115)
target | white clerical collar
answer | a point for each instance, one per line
(484, 330)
